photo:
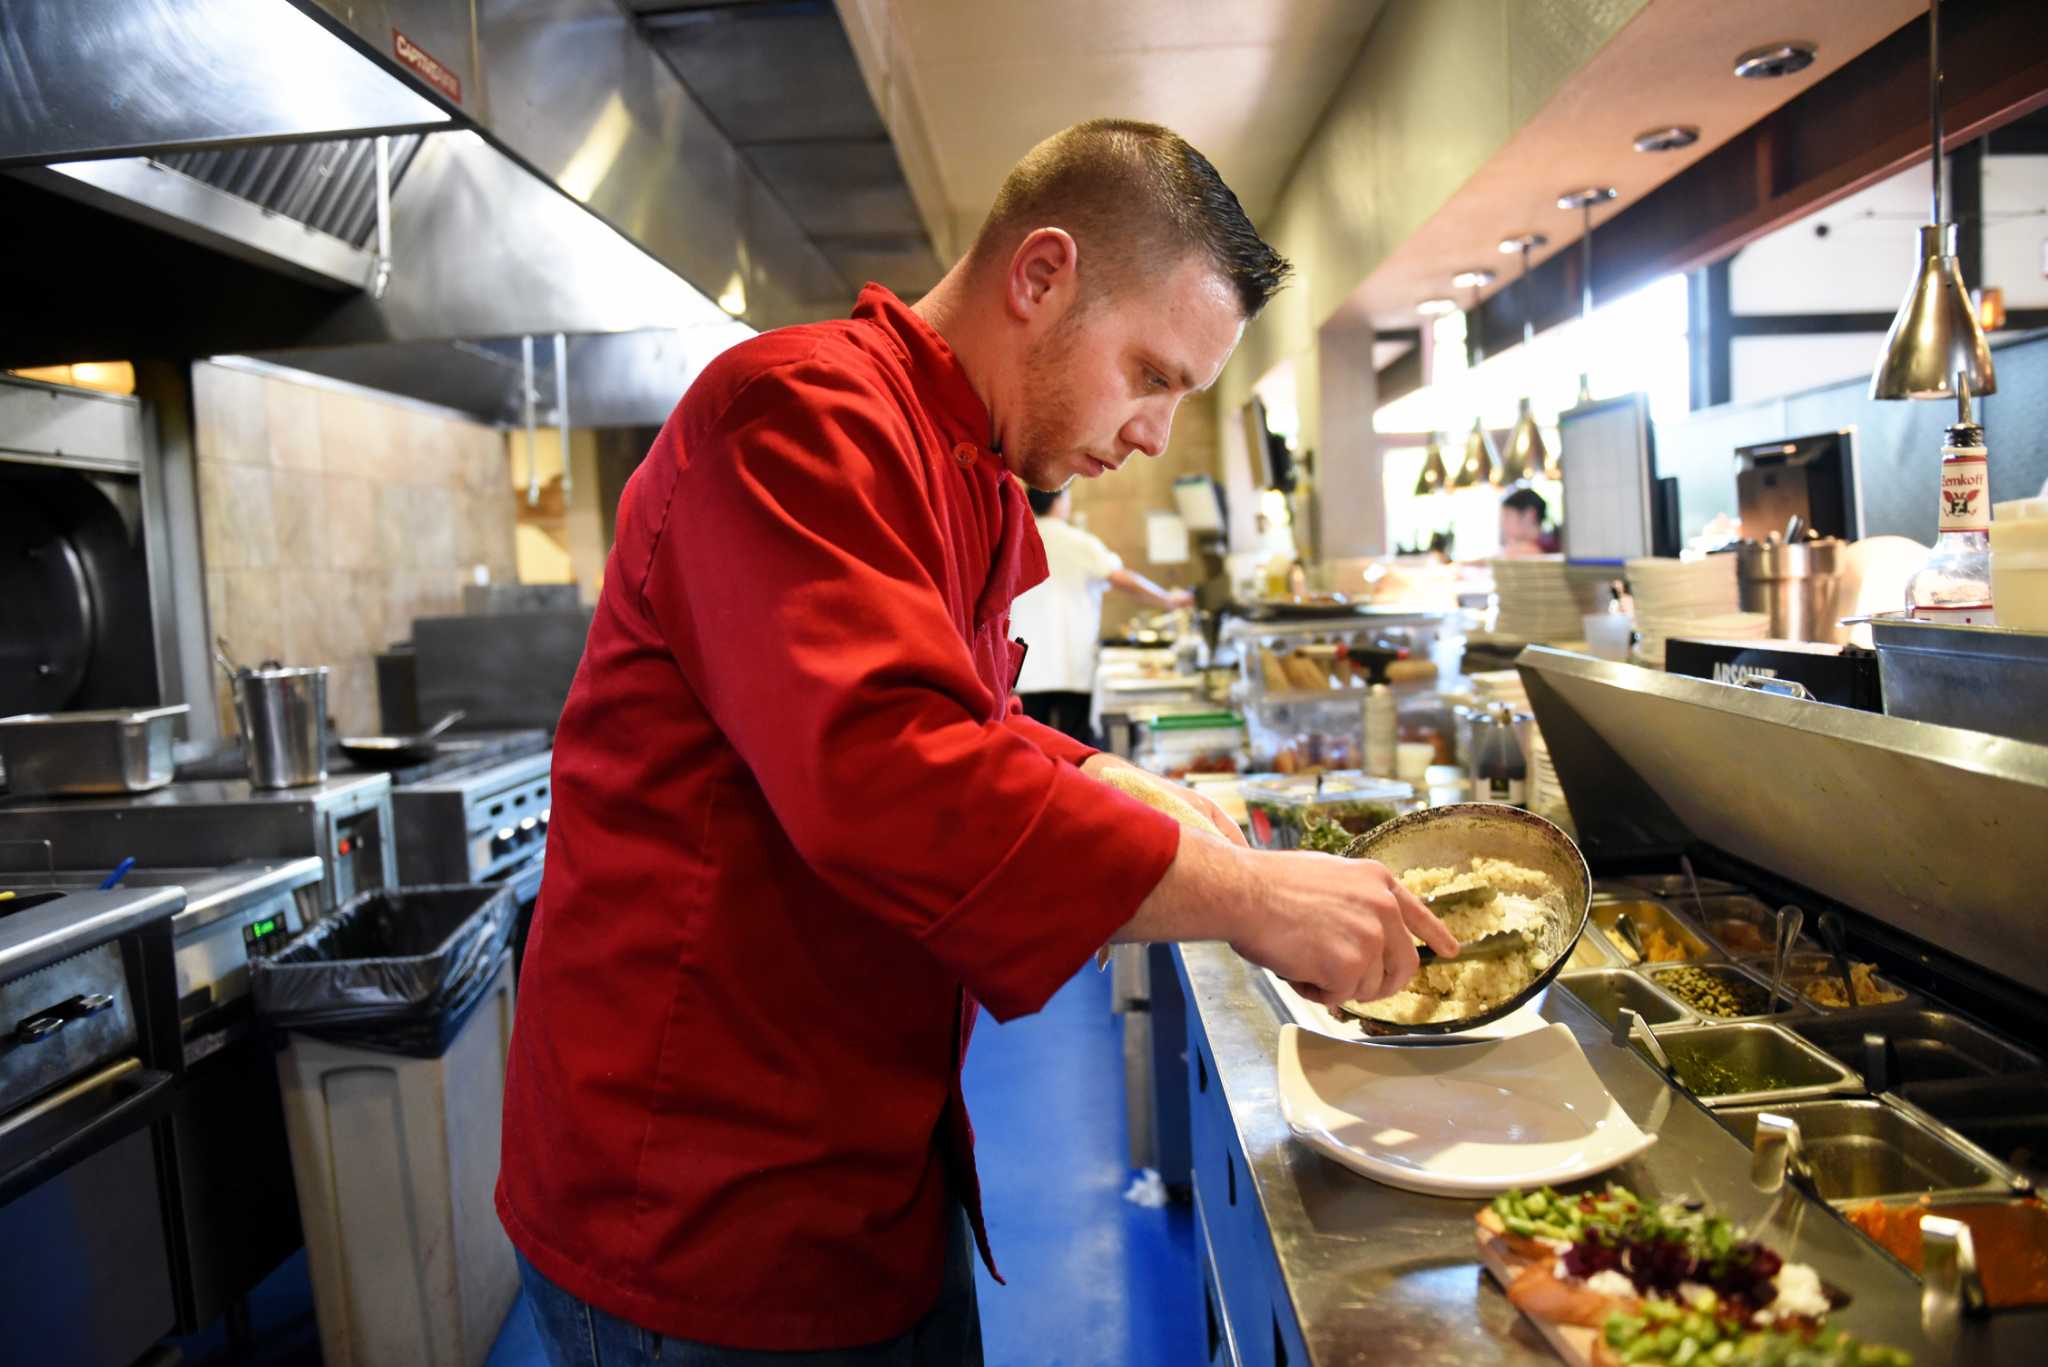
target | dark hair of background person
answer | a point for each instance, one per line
(1041, 501)
(1134, 197)
(1528, 501)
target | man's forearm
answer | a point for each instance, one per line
(1203, 895)
(1138, 586)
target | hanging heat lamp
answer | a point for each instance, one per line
(1434, 474)
(1525, 457)
(1481, 464)
(1936, 333)
(1583, 201)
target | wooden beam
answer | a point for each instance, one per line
(1863, 124)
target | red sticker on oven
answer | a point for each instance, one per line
(427, 67)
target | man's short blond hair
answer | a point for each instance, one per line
(1136, 198)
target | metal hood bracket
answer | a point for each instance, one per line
(1933, 830)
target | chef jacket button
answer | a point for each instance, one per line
(964, 454)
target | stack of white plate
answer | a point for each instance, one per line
(1537, 600)
(1697, 599)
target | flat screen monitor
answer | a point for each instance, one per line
(1812, 478)
(1199, 503)
(1610, 481)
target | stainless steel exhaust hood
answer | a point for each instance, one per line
(569, 94)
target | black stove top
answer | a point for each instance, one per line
(452, 754)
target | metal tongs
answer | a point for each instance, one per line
(1468, 892)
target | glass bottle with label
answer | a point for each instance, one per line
(1500, 773)
(1954, 586)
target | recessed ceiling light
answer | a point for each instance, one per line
(1526, 242)
(1436, 308)
(1472, 280)
(1777, 59)
(1586, 198)
(1667, 139)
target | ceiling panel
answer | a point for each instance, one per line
(1243, 80)
(1248, 109)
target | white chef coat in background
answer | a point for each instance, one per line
(1061, 619)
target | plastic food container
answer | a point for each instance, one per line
(1606, 991)
(2019, 563)
(1743, 926)
(1664, 938)
(1720, 992)
(1321, 812)
(1303, 735)
(1743, 1065)
(2010, 1239)
(1193, 743)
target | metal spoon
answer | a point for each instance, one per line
(1790, 920)
(1833, 936)
(1692, 882)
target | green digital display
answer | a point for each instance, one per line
(262, 930)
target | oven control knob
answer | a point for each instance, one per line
(529, 829)
(502, 841)
(545, 813)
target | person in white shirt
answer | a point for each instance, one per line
(1060, 621)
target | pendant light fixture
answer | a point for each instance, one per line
(1583, 201)
(1936, 332)
(1434, 475)
(1525, 457)
(1481, 464)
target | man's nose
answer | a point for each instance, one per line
(1147, 433)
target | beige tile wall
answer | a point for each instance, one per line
(328, 521)
(1115, 505)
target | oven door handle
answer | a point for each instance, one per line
(525, 884)
(97, 1110)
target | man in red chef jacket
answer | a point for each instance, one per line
(801, 833)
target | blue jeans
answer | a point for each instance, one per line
(575, 1333)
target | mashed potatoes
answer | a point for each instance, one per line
(1523, 899)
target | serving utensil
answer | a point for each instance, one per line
(1491, 946)
(1790, 920)
(1836, 940)
(1629, 1025)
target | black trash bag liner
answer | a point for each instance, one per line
(395, 955)
(425, 1036)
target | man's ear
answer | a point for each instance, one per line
(1042, 274)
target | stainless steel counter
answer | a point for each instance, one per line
(1373, 1274)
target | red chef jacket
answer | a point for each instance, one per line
(799, 830)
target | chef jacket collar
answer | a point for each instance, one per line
(942, 381)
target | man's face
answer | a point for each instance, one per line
(1519, 526)
(1103, 379)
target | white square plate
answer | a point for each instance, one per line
(1319, 1018)
(1461, 1120)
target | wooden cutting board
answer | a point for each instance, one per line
(1574, 1343)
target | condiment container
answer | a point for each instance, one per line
(1193, 743)
(1321, 811)
(2019, 563)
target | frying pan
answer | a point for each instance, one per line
(1447, 837)
(392, 752)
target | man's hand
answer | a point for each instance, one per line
(1338, 929)
(1225, 827)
